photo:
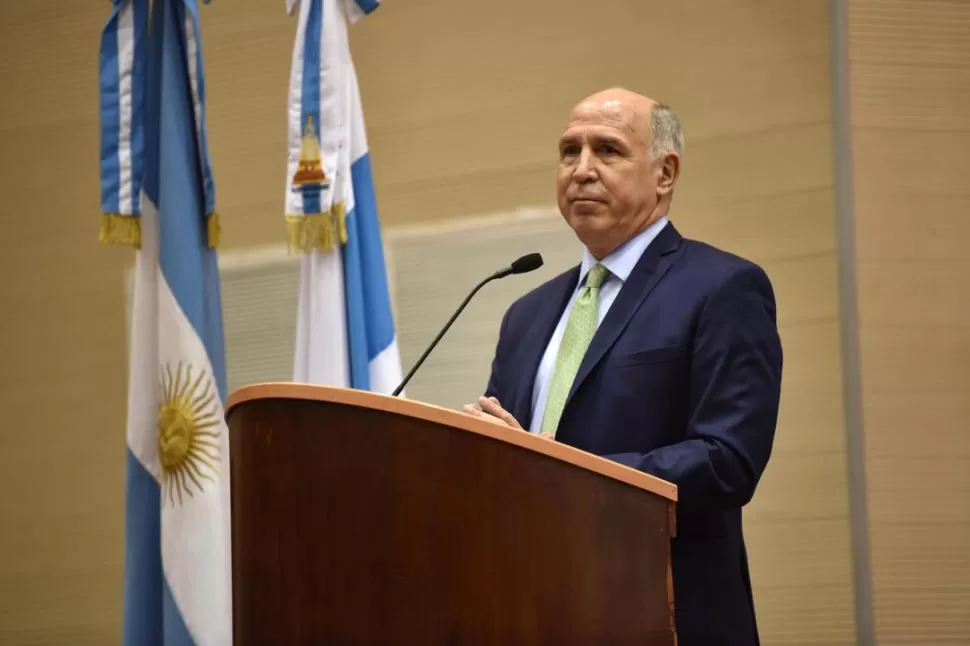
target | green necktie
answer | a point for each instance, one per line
(579, 332)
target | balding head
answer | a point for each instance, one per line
(648, 118)
(619, 161)
(629, 107)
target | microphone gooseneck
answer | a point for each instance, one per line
(527, 263)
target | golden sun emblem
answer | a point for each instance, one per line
(188, 432)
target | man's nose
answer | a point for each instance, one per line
(585, 170)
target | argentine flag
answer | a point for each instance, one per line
(155, 169)
(345, 330)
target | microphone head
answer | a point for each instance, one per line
(527, 263)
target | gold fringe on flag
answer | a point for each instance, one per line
(318, 231)
(125, 230)
(120, 230)
(214, 230)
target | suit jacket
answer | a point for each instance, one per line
(681, 380)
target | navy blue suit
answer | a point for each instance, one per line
(681, 380)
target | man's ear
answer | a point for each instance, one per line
(669, 172)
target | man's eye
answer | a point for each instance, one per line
(570, 151)
(607, 149)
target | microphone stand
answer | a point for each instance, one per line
(499, 274)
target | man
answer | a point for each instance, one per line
(658, 352)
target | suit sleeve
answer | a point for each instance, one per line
(735, 385)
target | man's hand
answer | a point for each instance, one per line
(490, 409)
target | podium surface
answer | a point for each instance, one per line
(359, 518)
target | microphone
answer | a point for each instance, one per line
(525, 264)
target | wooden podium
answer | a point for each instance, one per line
(359, 518)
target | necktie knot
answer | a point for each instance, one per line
(597, 276)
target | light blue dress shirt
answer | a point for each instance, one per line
(620, 264)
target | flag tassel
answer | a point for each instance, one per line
(213, 230)
(120, 230)
(318, 231)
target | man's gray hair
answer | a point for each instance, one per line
(665, 133)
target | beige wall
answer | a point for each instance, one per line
(464, 102)
(61, 337)
(910, 83)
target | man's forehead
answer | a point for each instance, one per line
(602, 117)
(584, 130)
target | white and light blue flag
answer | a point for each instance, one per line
(345, 330)
(158, 196)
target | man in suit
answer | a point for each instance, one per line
(658, 352)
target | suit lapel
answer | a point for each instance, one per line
(653, 264)
(536, 338)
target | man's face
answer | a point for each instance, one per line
(606, 184)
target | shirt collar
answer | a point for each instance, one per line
(624, 258)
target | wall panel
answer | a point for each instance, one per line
(910, 85)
